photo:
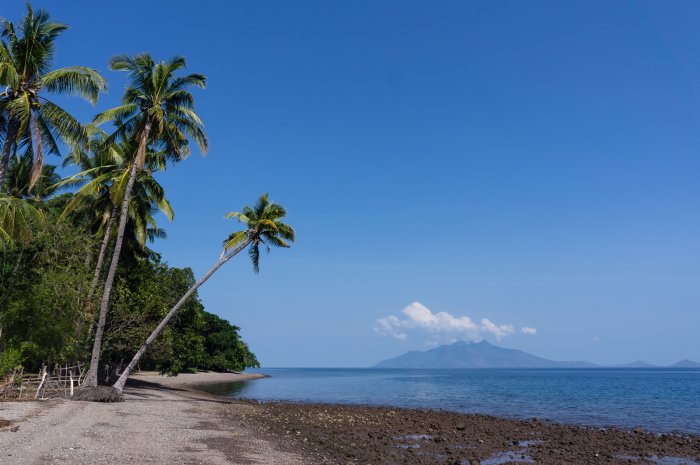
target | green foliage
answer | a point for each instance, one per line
(141, 299)
(223, 347)
(42, 282)
(193, 339)
(18, 179)
(10, 359)
(47, 260)
(16, 219)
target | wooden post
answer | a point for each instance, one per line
(43, 378)
(71, 382)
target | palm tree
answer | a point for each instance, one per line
(18, 180)
(263, 227)
(29, 119)
(157, 110)
(102, 180)
(16, 220)
(100, 165)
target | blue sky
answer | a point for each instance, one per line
(530, 163)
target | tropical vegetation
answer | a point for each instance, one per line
(78, 279)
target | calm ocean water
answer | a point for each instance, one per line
(657, 399)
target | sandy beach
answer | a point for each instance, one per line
(165, 421)
(159, 423)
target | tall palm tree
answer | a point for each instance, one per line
(264, 227)
(103, 178)
(157, 110)
(100, 165)
(29, 119)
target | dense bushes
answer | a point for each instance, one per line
(43, 318)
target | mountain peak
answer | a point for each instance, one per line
(482, 354)
(686, 364)
(462, 342)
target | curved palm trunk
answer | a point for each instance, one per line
(7, 146)
(119, 385)
(91, 376)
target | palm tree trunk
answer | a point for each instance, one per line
(89, 303)
(7, 146)
(91, 375)
(100, 259)
(119, 385)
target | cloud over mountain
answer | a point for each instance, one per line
(441, 327)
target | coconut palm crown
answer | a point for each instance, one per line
(157, 106)
(30, 120)
(264, 227)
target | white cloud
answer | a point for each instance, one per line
(528, 330)
(441, 327)
(498, 331)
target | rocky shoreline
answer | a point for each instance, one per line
(342, 434)
(169, 421)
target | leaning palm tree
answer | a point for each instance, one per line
(28, 118)
(157, 110)
(264, 227)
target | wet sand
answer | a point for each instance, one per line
(167, 421)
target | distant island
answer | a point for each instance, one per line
(482, 354)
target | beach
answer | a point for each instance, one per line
(168, 421)
(159, 422)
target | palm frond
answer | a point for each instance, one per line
(76, 80)
(115, 114)
(254, 254)
(8, 72)
(239, 216)
(16, 219)
(67, 127)
(235, 239)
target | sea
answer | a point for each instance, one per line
(660, 400)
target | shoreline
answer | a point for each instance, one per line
(342, 433)
(169, 420)
(191, 380)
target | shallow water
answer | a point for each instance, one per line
(660, 400)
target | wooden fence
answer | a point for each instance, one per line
(57, 382)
